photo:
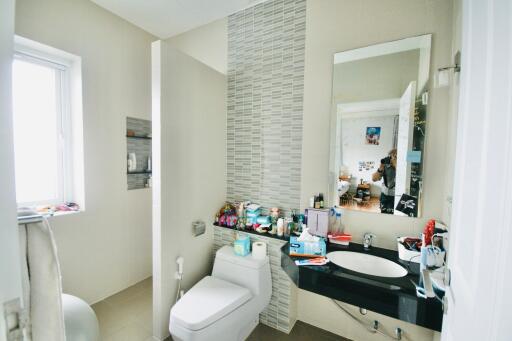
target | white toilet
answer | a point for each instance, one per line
(226, 305)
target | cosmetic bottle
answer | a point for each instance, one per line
(280, 227)
(312, 202)
(317, 202)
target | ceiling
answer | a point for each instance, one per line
(167, 18)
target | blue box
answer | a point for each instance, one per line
(242, 246)
(307, 249)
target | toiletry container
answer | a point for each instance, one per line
(226, 305)
(132, 162)
(318, 221)
(242, 246)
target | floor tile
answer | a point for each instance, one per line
(127, 294)
(132, 332)
(300, 332)
(127, 312)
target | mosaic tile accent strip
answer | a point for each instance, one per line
(266, 48)
(141, 148)
(281, 313)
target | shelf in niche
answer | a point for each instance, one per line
(139, 172)
(139, 137)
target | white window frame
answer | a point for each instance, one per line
(24, 52)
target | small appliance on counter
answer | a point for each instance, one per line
(318, 221)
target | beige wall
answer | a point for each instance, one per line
(208, 44)
(107, 247)
(189, 152)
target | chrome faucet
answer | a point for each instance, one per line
(367, 240)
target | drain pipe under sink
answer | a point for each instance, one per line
(371, 329)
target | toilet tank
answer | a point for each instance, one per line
(253, 274)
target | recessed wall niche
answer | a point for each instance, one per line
(138, 155)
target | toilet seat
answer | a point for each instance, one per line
(208, 301)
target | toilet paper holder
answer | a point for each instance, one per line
(198, 227)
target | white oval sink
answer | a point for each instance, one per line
(366, 264)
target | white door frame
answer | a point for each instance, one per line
(10, 279)
(479, 306)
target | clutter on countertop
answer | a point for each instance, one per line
(305, 236)
(307, 248)
(227, 216)
(432, 252)
(409, 249)
(429, 250)
(318, 221)
(65, 207)
(312, 261)
(278, 223)
(340, 239)
(317, 201)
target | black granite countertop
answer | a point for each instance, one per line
(394, 297)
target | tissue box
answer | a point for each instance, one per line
(242, 246)
(307, 249)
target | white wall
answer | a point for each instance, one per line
(107, 247)
(189, 152)
(454, 108)
(10, 286)
(207, 43)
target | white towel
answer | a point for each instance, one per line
(42, 286)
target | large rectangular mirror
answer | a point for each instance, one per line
(380, 98)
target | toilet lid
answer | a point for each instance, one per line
(209, 300)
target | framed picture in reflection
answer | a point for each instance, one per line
(373, 135)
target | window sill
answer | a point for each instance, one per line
(62, 213)
(37, 216)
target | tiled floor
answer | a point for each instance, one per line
(127, 316)
(300, 332)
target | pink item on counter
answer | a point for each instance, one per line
(341, 239)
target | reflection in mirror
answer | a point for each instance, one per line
(378, 126)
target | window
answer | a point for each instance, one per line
(42, 127)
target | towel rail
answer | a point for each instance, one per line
(28, 219)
